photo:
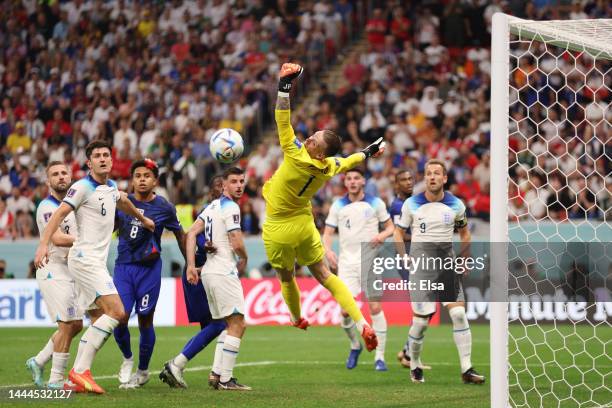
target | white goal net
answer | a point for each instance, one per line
(551, 202)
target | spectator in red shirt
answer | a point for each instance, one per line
(354, 71)
(7, 222)
(469, 188)
(122, 164)
(254, 59)
(62, 126)
(400, 26)
(180, 49)
(482, 204)
(376, 28)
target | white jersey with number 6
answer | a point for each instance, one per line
(432, 221)
(94, 205)
(220, 217)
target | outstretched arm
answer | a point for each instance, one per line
(282, 113)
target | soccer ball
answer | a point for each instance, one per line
(226, 145)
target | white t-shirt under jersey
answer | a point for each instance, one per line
(45, 210)
(432, 221)
(357, 222)
(220, 217)
(94, 205)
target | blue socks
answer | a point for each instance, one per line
(147, 342)
(203, 338)
(122, 337)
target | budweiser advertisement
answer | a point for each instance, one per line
(264, 305)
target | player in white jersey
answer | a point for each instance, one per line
(357, 217)
(220, 222)
(56, 285)
(432, 217)
(93, 200)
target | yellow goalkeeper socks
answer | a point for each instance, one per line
(344, 298)
(291, 294)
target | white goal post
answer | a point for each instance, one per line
(548, 147)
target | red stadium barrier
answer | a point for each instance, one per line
(264, 305)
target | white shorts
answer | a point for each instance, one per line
(59, 293)
(351, 276)
(92, 280)
(426, 308)
(225, 295)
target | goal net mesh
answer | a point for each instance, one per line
(559, 206)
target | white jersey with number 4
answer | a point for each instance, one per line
(220, 217)
(357, 222)
(94, 205)
(432, 221)
(45, 210)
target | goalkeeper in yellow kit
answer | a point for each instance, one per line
(289, 232)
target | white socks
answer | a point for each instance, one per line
(44, 355)
(180, 361)
(92, 341)
(216, 368)
(379, 324)
(351, 331)
(230, 353)
(416, 334)
(462, 336)
(58, 367)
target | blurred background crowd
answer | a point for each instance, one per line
(158, 78)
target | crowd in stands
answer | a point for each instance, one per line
(158, 78)
(154, 78)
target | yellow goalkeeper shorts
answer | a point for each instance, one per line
(290, 240)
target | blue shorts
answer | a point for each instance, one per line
(138, 284)
(196, 301)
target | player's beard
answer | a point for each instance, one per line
(61, 190)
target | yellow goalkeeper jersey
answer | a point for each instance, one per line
(289, 191)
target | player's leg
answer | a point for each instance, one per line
(231, 347)
(420, 322)
(281, 255)
(67, 330)
(95, 285)
(310, 252)
(350, 277)
(345, 299)
(379, 324)
(147, 282)
(462, 336)
(124, 282)
(36, 365)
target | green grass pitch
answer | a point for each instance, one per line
(290, 368)
(286, 367)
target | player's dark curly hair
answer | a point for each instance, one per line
(148, 163)
(333, 142)
(97, 144)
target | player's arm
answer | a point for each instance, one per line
(328, 238)
(179, 234)
(461, 225)
(398, 238)
(345, 164)
(403, 223)
(125, 205)
(62, 239)
(42, 252)
(388, 229)
(282, 113)
(190, 248)
(237, 243)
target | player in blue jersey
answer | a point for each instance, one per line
(196, 301)
(138, 267)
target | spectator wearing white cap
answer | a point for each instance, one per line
(125, 133)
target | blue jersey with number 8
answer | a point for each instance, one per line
(137, 244)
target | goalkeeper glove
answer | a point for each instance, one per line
(288, 73)
(374, 148)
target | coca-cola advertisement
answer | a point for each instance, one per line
(264, 305)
